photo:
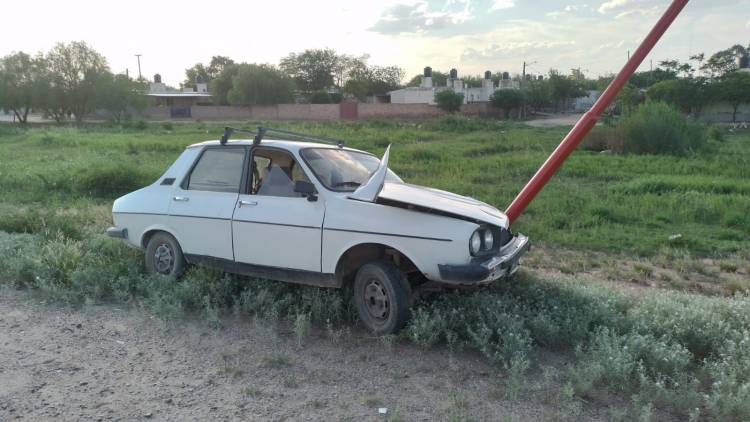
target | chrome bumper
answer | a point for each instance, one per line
(478, 272)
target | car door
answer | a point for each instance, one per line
(273, 225)
(201, 207)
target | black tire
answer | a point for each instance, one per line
(382, 296)
(164, 256)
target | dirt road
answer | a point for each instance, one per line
(103, 362)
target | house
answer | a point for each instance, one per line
(425, 93)
(179, 100)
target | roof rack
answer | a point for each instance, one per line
(261, 132)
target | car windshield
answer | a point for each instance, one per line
(343, 170)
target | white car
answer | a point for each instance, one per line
(319, 214)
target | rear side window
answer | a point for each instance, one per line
(218, 170)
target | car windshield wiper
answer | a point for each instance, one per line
(350, 183)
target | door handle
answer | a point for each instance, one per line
(181, 198)
(248, 203)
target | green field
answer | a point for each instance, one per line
(657, 352)
(606, 202)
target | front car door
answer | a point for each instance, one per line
(273, 225)
(201, 207)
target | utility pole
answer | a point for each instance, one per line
(523, 80)
(139, 66)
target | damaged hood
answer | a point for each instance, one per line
(439, 200)
(423, 197)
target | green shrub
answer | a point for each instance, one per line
(717, 133)
(320, 97)
(167, 126)
(111, 180)
(657, 128)
(507, 100)
(603, 138)
(449, 101)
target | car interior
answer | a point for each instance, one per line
(274, 173)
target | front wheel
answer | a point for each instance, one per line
(164, 256)
(382, 296)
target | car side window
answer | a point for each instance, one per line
(274, 173)
(218, 170)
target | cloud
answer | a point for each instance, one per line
(502, 4)
(495, 51)
(613, 5)
(418, 18)
(640, 12)
(747, 24)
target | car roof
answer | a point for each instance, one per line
(293, 146)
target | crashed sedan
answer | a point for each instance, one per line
(305, 211)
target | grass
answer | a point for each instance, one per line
(609, 202)
(665, 350)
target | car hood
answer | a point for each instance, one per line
(440, 200)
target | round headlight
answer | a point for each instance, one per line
(475, 243)
(489, 239)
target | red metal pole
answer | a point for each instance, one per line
(589, 119)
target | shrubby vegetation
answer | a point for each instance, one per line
(449, 101)
(666, 350)
(654, 128)
(681, 352)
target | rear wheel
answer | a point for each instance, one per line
(164, 256)
(382, 296)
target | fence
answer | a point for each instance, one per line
(316, 112)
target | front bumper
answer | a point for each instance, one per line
(478, 272)
(117, 232)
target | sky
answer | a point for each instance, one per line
(469, 35)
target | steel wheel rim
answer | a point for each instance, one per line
(163, 259)
(376, 300)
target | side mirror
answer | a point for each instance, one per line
(305, 188)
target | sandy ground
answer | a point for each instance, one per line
(108, 363)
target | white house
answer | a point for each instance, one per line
(425, 93)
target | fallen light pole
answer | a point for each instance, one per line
(589, 119)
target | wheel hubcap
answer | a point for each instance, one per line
(376, 300)
(164, 259)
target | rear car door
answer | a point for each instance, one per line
(273, 225)
(201, 207)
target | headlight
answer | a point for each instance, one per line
(489, 239)
(475, 243)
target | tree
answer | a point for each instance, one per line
(449, 101)
(562, 89)
(120, 96)
(311, 70)
(628, 98)
(20, 79)
(260, 84)
(724, 61)
(208, 73)
(438, 79)
(364, 80)
(222, 84)
(677, 92)
(507, 100)
(647, 78)
(75, 69)
(537, 93)
(734, 88)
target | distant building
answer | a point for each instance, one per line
(583, 104)
(743, 62)
(185, 97)
(425, 93)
